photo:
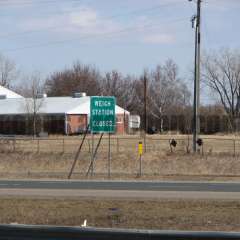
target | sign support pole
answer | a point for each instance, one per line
(92, 156)
(78, 153)
(109, 155)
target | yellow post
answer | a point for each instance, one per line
(140, 152)
(140, 148)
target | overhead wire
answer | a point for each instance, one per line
(205, 29)
(86, 37)
(135, 12)
(25, 3)
(96, 35)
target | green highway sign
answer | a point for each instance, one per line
(102, 114)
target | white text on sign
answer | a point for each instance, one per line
(102, 123)
(107, 112)
(102, 104)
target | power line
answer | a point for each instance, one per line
(72, 11)
(136, 12)
(45, 14)
(21, 3)
(205, 29)
(86, 37)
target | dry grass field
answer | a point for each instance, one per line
(52, 158)
(162, 215)
(122, 143)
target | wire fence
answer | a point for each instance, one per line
(120, 144)
(54, 157)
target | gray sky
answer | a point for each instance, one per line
(127, 35)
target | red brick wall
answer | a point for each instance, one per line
(76, 123)
(122, 124)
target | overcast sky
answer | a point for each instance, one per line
(127, 35)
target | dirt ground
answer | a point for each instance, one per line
(197, 215)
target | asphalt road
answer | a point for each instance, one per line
(122, 186)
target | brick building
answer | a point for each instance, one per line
(54, 115)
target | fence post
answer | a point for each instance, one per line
(234, 147)
(14, 145)
(63, 145)
(146, 149)
(117, 145)
(145, 143)
(38, 147)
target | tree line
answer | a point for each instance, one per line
(169, 101)
(166, 91)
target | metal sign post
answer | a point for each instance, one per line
(90, 168)
(78, 153)
(103, 120)
(109, 155)
(92, 155)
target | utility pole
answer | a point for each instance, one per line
(145, 109)
(196, 21)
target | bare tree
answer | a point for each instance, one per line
(8, 71)
(78, 78)
(123, 88)
(34, 101)
(221, 72)
(167, 93)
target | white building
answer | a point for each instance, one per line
(6, 93)
(59, 115)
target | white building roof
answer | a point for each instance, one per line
(9, 93)
(49, 105)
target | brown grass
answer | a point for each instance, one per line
(123, 165)
(53, 158)
(155, 143)
(164, 214)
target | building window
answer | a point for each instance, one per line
(119, 119)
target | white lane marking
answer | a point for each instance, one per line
(10, 184)
(160, 187)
